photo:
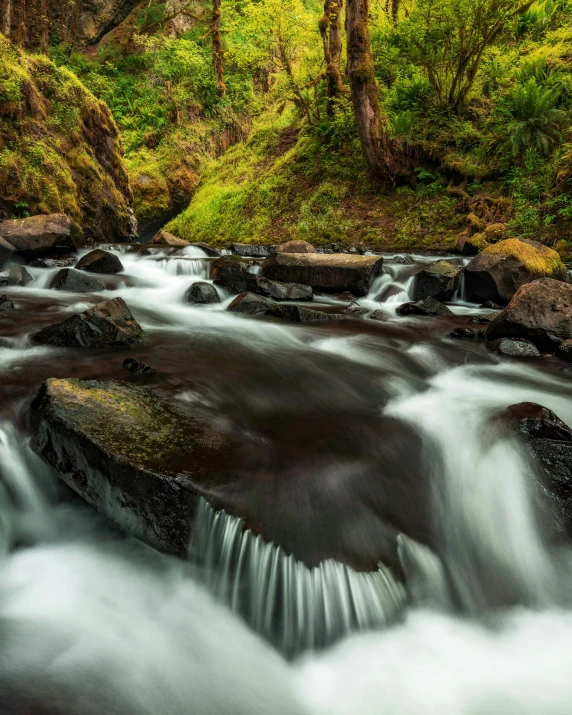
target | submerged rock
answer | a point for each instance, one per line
(468, 334)
(429, 306)
(164, 238)
(500, 270)
(75, 282)
(39, 235)
(15, 276)
(106, 324)
(6, 303)
(100, 261)
(540, 312)
(333, 273)
(513, 347)
(250, 304)
(483, 318)
(202, 293)
(439, 281)
(295, 247)
(138, 368)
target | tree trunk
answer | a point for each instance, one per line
(217, 47)
(73, 24)
(395, 10)
(7, 19)
(331, 31)
(371, 123)
(44, 42)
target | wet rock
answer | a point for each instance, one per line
(492, 305)
(232, 273)
(100, 261)
(295, 247)
(468, 334)
(54, 261)
(138, 368)
(550, 442)
(40, 235)
(565, 350)
(500, 270)
(540, 312)
(428, 306)
(106, 324)
(15, 276)
(468, 245)
(6, 251)
(323, 249)
(403, 259)
(379, 315)
(439, 281)
(164, 238)
(333, 247)
(252, 250)
(250, 304)
(284, 291)
(137, 459)
(202, 293)
(75, 282)
(483, 318)
(6, 303)
(300, 314)
(346, 297)
(334, 273)
(355, 309)
(209, 250)
(513, 347)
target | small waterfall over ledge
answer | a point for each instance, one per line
(297, 608)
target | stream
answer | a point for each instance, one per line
(94, 622)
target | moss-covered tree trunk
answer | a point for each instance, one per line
(7, 18)
(217, 46)
(331, 31)
(371, 121)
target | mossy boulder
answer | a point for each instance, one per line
(439, 281)
(500, 270)
(42, 235)
(60, 150)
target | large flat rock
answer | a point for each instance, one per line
(39, 235)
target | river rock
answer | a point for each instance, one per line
(64, 261)
(6, 251)
(138, 368)
(483, 318)
(439, 281)
(500, 270)
(428, 306)
(403, 259)
(513, 347)
(100, 261)
(565, 350)
(134, 457)
(164, 238)
(232, 273)
(107, 323)
(550, 441)
(468, 334)
(334, 273)
(295, 247)
(40, 235)
(15, 276)
(252, 250)
(354, 310)
(284, 291)
(6, 303)
(75, 282)
(202, 293)
(250, 304)
(468, 245)
(300, 314)
(540, 312)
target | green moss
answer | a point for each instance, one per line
(543, 260)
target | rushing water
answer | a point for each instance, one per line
(94, 622)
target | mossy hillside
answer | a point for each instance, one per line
(60, 150)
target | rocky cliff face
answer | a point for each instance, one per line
(97, 17)
(60, 150)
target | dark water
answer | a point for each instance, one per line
(363, 430)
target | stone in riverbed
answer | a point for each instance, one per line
(135, 458)
(39, 235)
(106, 324)
(6, 251)
(252, 250)
(164, 238)
(250, 304)
(540, 312)
(54, 261)
(232, 273)
(202, 293)
(6, 303)
(429, 306)
(333, 273)
(483, 318)
(354, 310)
(100, 261)
(15, 276)
(75, 282)
(500, 270)
(284, 291)
(138, 368)
(439, 281)
(513, 347)
(300, 314)
(295, 247)
(468, 334)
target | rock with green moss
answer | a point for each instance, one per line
(439, 281)
(500, 270)
(138, 459)
(106, 324)
(42, 235)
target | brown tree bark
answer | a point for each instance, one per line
(44, 38)
(331, 31)
(7, 19)
(73, 23)
(217, 47)
(395, 10)
(370, 120)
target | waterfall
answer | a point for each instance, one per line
(294, 606)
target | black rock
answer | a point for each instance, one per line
(333, 247)
(513, 347)
(54, 261)
(6, 303)
(299, 314)
(100, 261)
(250, 304)
(138, 368)
(283, 291)
(428, 306)
(483, 318)
(6, 251)
(492, 305)
(202, 293)
(403, 259)
(15, 276)
(233, 273)
(252, 250)
(439, 281)
(75, 282)
(468, 334)
(354, 309)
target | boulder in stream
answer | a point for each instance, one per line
(164, 238)
(540, 312)
(100, 261)
(252, 250)
(428, 306)
(300, 314)
(76, 282)
(284, 291)
(138, 368)
(250, 304)
(295, 247)
(468, 334)
(106, 324)
(6, 251)
(232, 273)
(40, 235)
(63, 261)
(513, 347)
(201, 293)
(333, 273)
(6, 303)
(15, 276)
(439, 281)
(500, 270)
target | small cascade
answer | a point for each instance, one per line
(295, 607)
(394, 286)
(460, 295)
